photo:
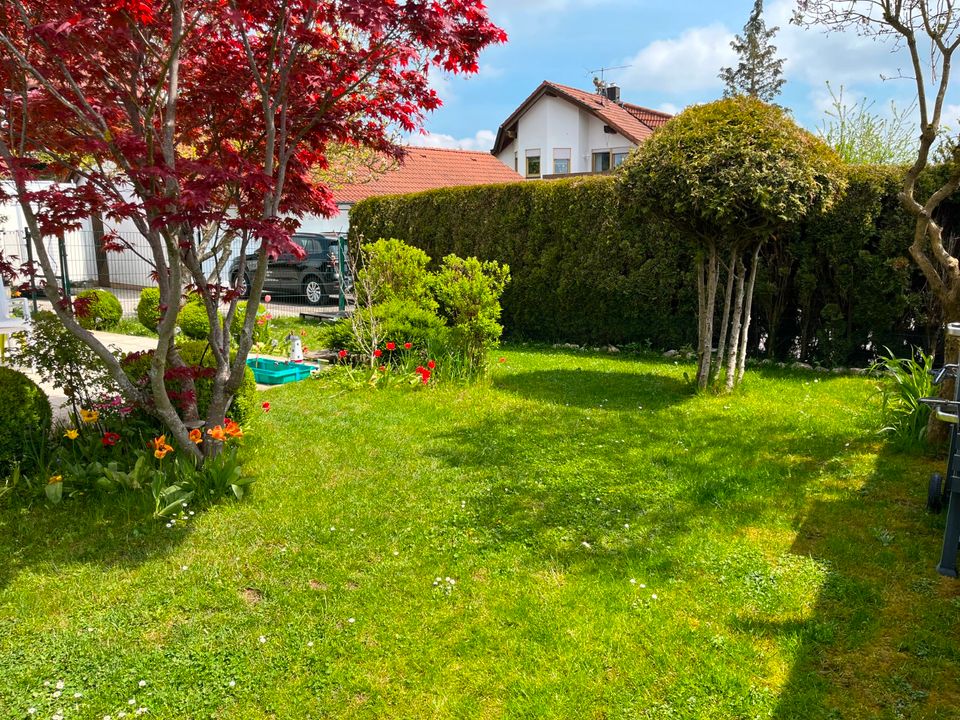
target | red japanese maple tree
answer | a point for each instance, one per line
(185, 114)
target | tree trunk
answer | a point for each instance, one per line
(735, 323)
(745, 335)
(707, 300)
(725, 316)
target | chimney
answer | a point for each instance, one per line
(612, 92)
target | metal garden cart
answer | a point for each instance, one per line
(944, 491)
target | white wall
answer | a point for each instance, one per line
(131, 267)
(338, 223)
(552, 122)
(82, 261)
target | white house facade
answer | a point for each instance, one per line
(560, 130)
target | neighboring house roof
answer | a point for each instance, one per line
(632, 121)
(429, 169)
(654, 119)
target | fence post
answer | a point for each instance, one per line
(33, 276)
(64, 270)
(343, 298)
(103, 264)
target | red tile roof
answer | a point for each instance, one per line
(429, 169)
(634, 122)
(652, 118)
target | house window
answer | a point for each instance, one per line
(516, 162)
(619, 158)
(533, 162)
(601, 161)
(561, 161)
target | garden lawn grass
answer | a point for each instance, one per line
(618, 547)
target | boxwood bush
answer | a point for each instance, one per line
(148, 309)
(25, 409)
(97, 309)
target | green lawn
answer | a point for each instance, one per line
(617, 547)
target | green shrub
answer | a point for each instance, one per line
(196, 353)
(469, 292)
(394, 270)
(62, 360)
(588, 267)
(193, 320)
(97, 309)
(261, 329)
(25, 409)
(148, 309)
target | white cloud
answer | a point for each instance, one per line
(686, 63)
(483, 140)
(668, 107)
(844, 58)
(691, 61)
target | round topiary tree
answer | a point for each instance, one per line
(729, 175)
(97, 309)
(193, 320)
(148, 308)
(26, 410)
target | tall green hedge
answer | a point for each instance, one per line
(588, 268)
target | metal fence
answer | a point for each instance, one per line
(308, 288)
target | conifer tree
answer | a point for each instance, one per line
(759, 72)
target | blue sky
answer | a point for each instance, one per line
(674, 50)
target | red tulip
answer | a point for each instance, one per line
(266, 407)
(391, 346)
(407, 346)
(378, 352)
(431, 364)
(383, 368)
(109, 439)
(342, 354)
(503, 360)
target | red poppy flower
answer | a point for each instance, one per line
(378, 352)
(109, 439)
(431, 364)
(342, 354)
(407, 346)
(391, 346)
(266, 407)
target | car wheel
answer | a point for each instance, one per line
(313, 290)
(244, 285)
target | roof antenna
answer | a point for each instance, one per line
(599, 82)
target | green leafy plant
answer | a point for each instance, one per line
(62, 360)
(97, 309)
(148, 308)
(469, 292)
(393, 270)
(903, 382)
(193, 320)
(25, 410)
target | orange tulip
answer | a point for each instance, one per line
(196, 436)
(217, 433)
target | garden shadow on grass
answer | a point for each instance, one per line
(566, 479)
(597, 389)
(109, 532)
(880, 641)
